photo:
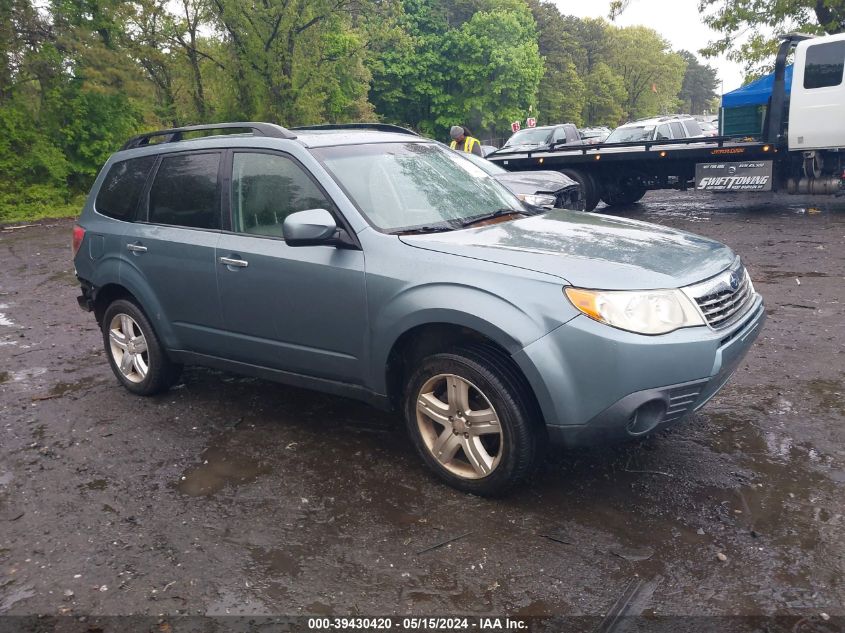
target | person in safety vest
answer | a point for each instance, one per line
(462, 141)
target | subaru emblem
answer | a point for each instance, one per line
(734, 281)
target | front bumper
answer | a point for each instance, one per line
(598, 384)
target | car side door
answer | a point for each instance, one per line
(298, 309)
(170, 251)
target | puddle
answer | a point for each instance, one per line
(64, 388)
(4, 320)
(219, 468)
(4, 377)
(12, 597)
(278, 562)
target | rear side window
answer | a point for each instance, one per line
(118, 196)
(184, 192)
(824, 65)
(693, 128)
(677, 130)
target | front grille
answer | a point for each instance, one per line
(719, 302)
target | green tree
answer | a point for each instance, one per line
(483, 72)
(305, 60)
(699, 85)
(762, 21)
(605, 97)
(563, 94)
(651, 72)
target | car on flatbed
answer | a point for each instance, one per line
(379, 265)
(664, 128)
(545, 136)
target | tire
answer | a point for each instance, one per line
(624, 196)
(134, 352)
(589, 188)
(488, 452)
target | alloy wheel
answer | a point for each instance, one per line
(459, 426)
(128, 348)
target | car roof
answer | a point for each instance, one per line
(657, 120)
(264, 135)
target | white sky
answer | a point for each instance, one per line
(678, 21)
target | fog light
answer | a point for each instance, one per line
(646, 417)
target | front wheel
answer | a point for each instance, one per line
(134, 352)
(470, 418)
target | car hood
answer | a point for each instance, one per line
(535, 181)
(588, 250)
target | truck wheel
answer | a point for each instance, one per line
(623, 196)
(134, 352)
(589, 188)
(471, 420)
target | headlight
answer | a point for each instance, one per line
(537, 199)
(641, 311)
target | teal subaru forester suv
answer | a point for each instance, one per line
(368, 262)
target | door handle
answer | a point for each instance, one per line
(231, 261)
(136, 248)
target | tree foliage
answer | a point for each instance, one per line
(699, 85)
(78, 77)
(750, 28)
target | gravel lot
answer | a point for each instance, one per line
(231, 495)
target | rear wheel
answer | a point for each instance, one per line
(622, 195)
(589, 187)
(470, 419)
(134, 352)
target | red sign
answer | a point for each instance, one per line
(515, 126)
(531, 122)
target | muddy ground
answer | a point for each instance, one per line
(234, 495)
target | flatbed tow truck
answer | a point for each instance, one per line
(801, 148)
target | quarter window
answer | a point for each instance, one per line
(677, 130)
(824, 65)
(693, 128)
(184, 192)
(267, 188)
(118, 195)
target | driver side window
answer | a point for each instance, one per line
(266, 189)
(663, 133)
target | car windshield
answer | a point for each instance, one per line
(630, 134)
(415, 186)
(489, 168)
(535, 136)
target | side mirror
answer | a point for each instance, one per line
(313, 227)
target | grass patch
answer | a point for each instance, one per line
(28, 212)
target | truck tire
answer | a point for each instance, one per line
(590, 194)
(623, 196)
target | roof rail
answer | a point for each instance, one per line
(175, 134)
(380, 127)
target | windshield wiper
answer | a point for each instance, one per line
(434, 228)
(489, 216)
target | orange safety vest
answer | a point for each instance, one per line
(469, 143)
